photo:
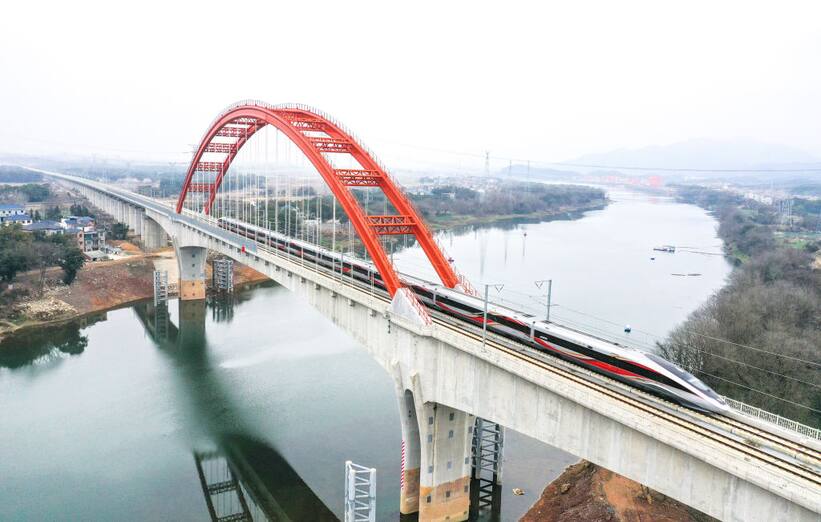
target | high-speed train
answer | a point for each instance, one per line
(637, 368)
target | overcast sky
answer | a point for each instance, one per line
(547, 81)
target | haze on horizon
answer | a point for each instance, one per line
(547, 82)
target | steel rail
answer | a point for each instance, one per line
(648, 407)
(720, 438)
(754, 431)
(645, 405)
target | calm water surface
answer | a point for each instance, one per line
(114, 418)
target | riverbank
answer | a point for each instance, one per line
(99, 287)
(449, 221)
(131, 405)
(772, 303)
(108, 285)
(586, 492)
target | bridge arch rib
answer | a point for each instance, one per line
(242, 120)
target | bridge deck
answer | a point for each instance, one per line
(778, 453)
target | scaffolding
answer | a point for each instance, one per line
(488, 439)
(222, 275)
(360, 493)
(161, 321)
(160, 287)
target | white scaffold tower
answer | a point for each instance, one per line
(160, 287)
(223, 274)
(360, 493)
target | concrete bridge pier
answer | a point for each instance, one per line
(444, 483)
(191, 261)
(135, 222)
(152, 234)
(411, 458)
(436, 457)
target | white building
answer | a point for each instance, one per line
(11, 214)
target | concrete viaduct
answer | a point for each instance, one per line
(731, 470)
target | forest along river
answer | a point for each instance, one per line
(113, 417)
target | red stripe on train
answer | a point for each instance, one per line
(599, 364)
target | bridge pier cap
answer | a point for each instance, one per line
(317, 135)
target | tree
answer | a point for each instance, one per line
(35, 192)
(37, 216)
(79, 210)
(769, 314)
(15, 252)
(46, 254)
(119, 231)
(71, 261)
(54, 213)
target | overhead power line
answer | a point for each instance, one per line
(717, 339)
(757, 391)
(540, 299)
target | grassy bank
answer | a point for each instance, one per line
(445, 222)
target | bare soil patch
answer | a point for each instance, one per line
(588, 493)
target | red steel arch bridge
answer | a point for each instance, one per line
(448, 374)
(318, 137)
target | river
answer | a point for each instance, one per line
(114, 417)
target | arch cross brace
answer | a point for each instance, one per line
(317, 135)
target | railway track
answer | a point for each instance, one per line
(718, 428)
(804, 453)
(724, 439)
(790, 456)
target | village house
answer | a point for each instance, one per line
(48, 228)
(14, 213)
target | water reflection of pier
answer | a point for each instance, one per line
(224, 494)
(242, 477)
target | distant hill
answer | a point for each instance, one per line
(706, 154)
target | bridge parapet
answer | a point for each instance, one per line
(672, 450)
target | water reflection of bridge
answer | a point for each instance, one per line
(242, 477)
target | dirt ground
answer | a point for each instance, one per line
(588, 493)
(242, 274)
(99, 286)
(110, 284)
(126, 246)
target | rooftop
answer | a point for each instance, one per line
(22, 217)
(44, 225)
(14, 206)
(95, 254)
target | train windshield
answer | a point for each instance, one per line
(689, 378)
